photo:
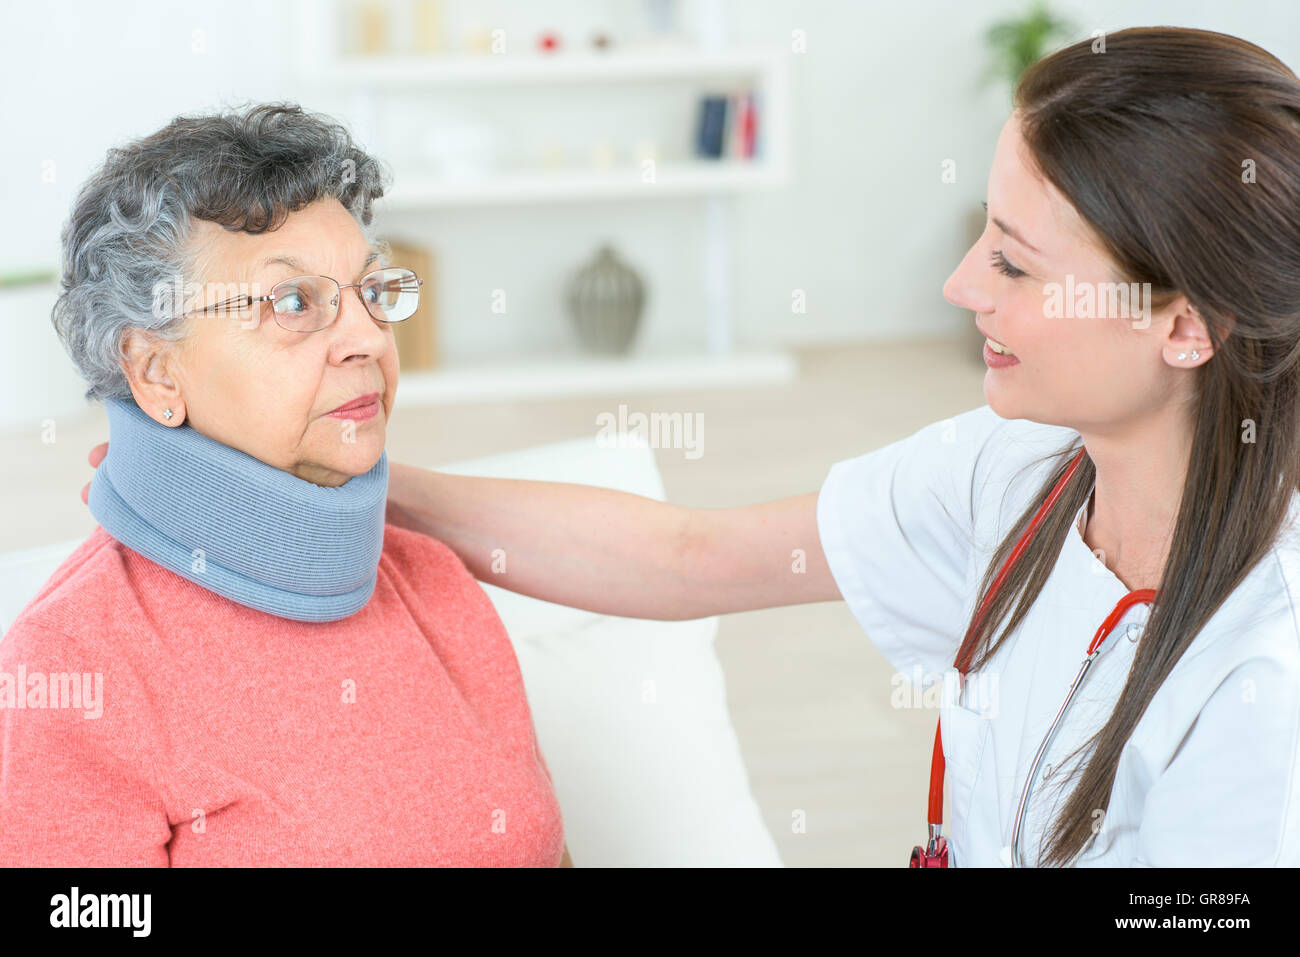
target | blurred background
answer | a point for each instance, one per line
(740, 211)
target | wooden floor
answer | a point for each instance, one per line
(809, 694)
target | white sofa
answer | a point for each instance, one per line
(631, 714)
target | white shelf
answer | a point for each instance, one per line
(566, 376)
(449, 70)
(372, 85)
(564, 185)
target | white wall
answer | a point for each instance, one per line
(884, 94)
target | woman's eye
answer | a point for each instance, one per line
(291, 302)
(1001, 265)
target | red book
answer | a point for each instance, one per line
(747, 122)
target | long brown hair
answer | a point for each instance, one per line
(1154, 142)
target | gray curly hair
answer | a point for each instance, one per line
(129, 232)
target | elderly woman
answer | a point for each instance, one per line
(286, 680)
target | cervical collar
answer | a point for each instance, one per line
(237, 526)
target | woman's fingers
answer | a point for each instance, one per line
(95, 457)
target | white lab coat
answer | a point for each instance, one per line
(1209, 776)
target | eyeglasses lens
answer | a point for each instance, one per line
(311, 303)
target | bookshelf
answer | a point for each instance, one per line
(367, 83)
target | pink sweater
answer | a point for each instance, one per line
(400, 736)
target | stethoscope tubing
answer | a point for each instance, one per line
(1042, 751)
(934, 814)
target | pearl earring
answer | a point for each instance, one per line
(167, 413)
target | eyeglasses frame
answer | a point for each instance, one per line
(250, 301)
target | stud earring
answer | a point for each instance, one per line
(167, 413)
(1194, 356)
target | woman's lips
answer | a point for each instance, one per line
(360, 409)
(998, 361)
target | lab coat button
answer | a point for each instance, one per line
(1133, 632)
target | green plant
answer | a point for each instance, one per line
(31, 277)
(1018, 42)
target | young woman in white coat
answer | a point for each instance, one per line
(1171, 158)
(1171, 441)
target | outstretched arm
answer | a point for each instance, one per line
(617, 553)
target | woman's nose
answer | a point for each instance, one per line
(969, 284)
(356, 331)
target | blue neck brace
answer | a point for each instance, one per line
(249, 531)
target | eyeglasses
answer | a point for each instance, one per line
(311, 303)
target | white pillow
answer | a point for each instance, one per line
(631, 714)
(23, 573)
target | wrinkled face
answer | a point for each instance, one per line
(1087, 367)
(245, 381)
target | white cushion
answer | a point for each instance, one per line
(631, 714)
(23, 573)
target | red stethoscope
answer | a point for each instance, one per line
(935, 853)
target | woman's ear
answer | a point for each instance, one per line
(149, 365)
(1187, 344)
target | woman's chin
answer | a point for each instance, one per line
(340, 464)
(996, 398)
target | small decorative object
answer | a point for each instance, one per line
(548, 42)
(427, 15)
(478, 40)
(600, 41)
(605, 298)
(372, 27)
